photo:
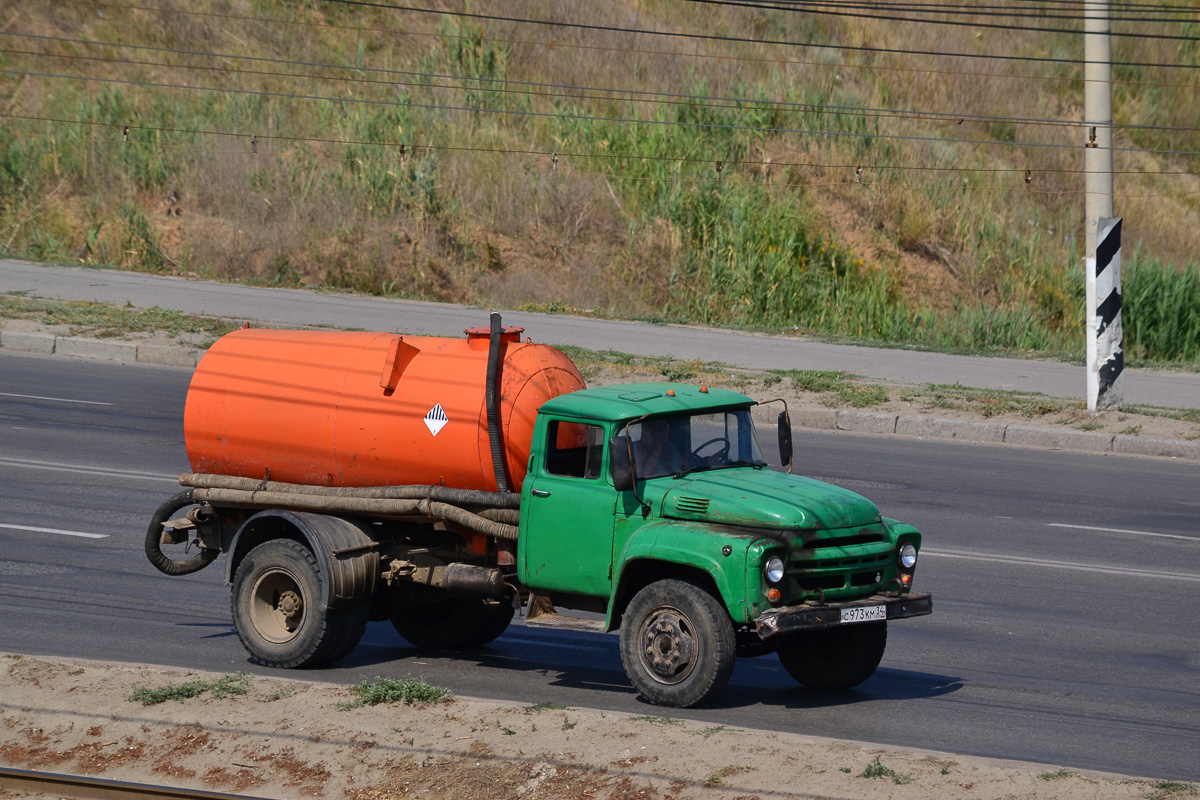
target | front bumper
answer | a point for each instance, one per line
(794, 619)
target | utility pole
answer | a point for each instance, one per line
(1105, 357)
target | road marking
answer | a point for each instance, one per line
(1122, 530)
(1038, 562)
(54, 399)
(57, 467)
(80, 534)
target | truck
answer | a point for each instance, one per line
(444, 484)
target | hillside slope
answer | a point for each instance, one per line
(839, 187)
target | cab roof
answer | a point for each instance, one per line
(632, 400)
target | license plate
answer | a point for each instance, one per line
(864, 613)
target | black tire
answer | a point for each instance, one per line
(352, 623)
(452, 623)
(677, 644)
(276, 603)
(495, 621)
(837, 658)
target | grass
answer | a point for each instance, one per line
(657, 720)
(718, 778)
(634, 221)
(371, 692)
(546, 705)
(1057, 775)
(839, 388)
(876, 769)
(1165, 790)
(109, 321)
(987, 402)
(281, 692)
(707, 733)
(225, 686)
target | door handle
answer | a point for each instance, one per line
(539, 493)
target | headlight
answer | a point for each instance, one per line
(774, 569)
(908, 555)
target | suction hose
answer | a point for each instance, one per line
(493, 404)
(162, 562)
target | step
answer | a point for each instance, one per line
(562, 622)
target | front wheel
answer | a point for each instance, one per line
(677, 644)
(836, 658)
(276, 606)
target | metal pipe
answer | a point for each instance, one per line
(358, 505)
(446, 494)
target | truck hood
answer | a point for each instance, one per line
(761, 498)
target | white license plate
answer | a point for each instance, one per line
(864, 613)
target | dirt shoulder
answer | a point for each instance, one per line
(292, 738)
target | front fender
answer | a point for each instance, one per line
(672, 549)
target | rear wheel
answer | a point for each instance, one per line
(677, 644)
(452, 623)
(276, 604)
(837, 658)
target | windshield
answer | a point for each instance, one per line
(685, 443)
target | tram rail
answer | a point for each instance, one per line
(78, 787)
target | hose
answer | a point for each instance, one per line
(493, 404)
(446, 494)
(471, 521)
(358, 505)
(161, 561)
(509, 516)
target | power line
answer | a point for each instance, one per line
(1003, 10)
(814, 6)
(676, 54)
(612, 28)
(411, 147)
(808, 8)
(667, 98)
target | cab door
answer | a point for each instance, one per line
(567, 514)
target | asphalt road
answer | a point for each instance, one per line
(296, 307)
(1066, 627)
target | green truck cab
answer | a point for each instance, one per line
(653, 503)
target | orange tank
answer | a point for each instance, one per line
(366, 409)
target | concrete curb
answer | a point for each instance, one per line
(819, 419)
(118, 350)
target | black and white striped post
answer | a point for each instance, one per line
(1105, 356)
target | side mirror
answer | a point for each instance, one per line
(620, 462)
(785, 439)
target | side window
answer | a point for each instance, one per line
(574, 449)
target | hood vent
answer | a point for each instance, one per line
(693, 505)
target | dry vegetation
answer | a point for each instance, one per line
(634, 219)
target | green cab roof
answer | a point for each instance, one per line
(632, 400)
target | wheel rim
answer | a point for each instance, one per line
(668, 645)
(277, 607)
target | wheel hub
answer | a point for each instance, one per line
(290, 605)
(277, 608)
(668, 646)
